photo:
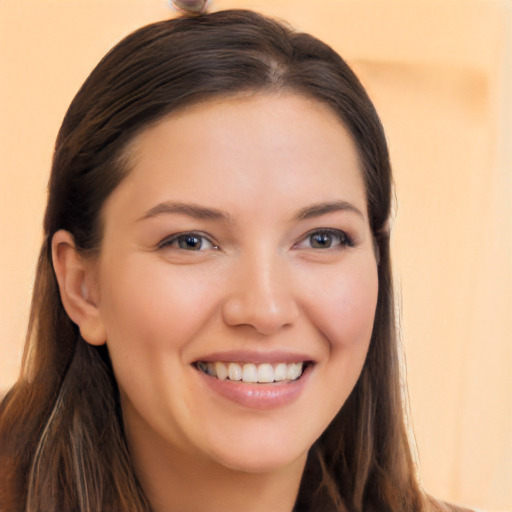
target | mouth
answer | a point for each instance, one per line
(264, 373)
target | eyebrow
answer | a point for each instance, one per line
(204, 213)
(319, 209)
(191, 210)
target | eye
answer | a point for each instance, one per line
(188, 242)
(325, 239)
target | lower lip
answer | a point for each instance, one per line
(258, 396)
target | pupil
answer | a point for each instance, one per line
(190, 242)
(321, 240)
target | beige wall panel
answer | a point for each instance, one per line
(440, 73)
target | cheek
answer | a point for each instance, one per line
(150, 310)
(344, 312)
(151, 315)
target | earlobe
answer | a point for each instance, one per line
(76, 282)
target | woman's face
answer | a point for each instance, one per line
(237, 250)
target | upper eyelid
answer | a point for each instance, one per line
(334, 231)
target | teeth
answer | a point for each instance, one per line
(294, 371)
(221, 371)
(234, 371)
(280, 372)
(249, 372)
(265, 373)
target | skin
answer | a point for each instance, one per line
(257, 283)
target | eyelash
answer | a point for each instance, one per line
(343, 240)
(176, 239)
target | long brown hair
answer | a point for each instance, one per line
(62, 445)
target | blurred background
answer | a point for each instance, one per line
(440, 74)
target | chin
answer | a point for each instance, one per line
(262, 465)
(260, 458)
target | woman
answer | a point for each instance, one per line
(212, 325)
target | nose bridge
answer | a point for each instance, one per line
(262, 293)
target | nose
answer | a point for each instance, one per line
(261, 296)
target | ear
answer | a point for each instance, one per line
(78, 287)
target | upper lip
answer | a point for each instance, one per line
(256, 357)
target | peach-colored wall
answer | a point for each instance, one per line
(440, 73)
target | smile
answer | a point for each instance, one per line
(264, 373)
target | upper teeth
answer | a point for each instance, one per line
(249, 372)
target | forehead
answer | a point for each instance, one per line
(250, 150)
